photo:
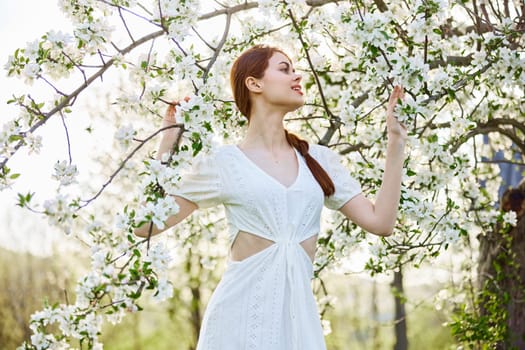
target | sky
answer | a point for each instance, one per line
(25, 20)
(22, 21)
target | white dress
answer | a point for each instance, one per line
(265, 301)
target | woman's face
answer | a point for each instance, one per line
(280, 85)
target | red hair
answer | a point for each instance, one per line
(253, 63)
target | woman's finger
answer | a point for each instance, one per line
(170, 111)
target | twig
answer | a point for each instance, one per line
(147, 67)
(67, 137)
(128, 157)
(52, 86)
(125, 23)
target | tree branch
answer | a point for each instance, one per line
(318, 3)
(485, 129)
(451, 60)
(230, 10)
(381, 6)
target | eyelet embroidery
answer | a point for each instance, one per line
(264, 287)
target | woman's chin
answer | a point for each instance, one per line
(296, 105)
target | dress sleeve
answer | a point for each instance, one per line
(202, 184)
(346, 187)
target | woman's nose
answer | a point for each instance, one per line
(298, 77)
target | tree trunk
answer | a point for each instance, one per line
(137, 344)
(502, 271)
(400, 312)
(194, 269)
(376, 338)
(516, 287)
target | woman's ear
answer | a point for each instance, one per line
(254, 85)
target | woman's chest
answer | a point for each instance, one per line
(246, 183)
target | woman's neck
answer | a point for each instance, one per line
(266, 131)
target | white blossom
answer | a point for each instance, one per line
(60, 211)
(122, 221)
(116, 316)
(182, 15)
(164, 290)
(9, 130)
(85, 287)
(66, 315)
(510, 218)
(159, 257)
(65, 173)
(42, 341)
(34, 143)
(31, 50)
(93, 34)
(91, 325)
(208, 262)
(327, 327)
(125, 135)
(158, 212)
(98, 258)
(31, 72)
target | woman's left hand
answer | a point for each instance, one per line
(394, 127)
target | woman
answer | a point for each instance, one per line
(273, 186)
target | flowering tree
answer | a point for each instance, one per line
(460, 62)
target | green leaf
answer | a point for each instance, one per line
(432, 138)
(23, 200)
(411, 172)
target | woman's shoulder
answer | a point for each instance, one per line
(325, 155)
(218, 154)
(215, 150)
(225, 147)
(318, 151)
(223, 150)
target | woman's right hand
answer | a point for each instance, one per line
(172, 133)
(169, 116)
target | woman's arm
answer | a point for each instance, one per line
(380, 217)
(186, 207)
(168, 140)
